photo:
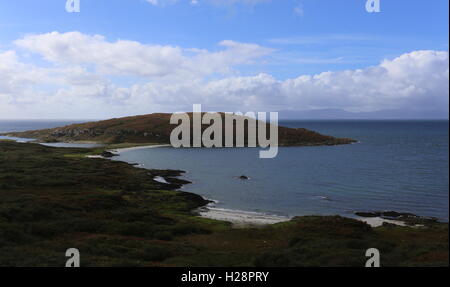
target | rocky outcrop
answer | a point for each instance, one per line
(408, 218)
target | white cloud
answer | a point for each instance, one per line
(89, 77)
(418, 80)
(133, 58)
(414, 80)
(16, 77)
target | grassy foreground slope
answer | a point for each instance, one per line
(156, 128)
(52, 199)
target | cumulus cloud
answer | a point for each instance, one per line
(17, 79)
(418, 80)
(133, 58)
(415, 80)
(88, 76)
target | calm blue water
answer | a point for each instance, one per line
(397, 165)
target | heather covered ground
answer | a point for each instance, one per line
(52, 199)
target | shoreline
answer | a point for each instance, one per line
(243, 219)
(238, 218)
(120, 150)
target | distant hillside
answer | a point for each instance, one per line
(155, 128)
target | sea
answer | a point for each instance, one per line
(395, 165)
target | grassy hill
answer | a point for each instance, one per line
(156, 128)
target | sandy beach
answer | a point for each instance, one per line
(241, 219)
(120, 150)
(378, 221)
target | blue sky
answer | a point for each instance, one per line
(300, 37)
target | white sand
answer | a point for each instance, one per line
(378, 221)
(241, 218)
(94, 156)
(246, 218)
(160, 179)
(119, 150)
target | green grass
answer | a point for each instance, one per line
(52, 199)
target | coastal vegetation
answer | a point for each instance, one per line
(52, 199)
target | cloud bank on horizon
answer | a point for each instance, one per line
(77, 75)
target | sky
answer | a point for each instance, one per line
(127, 57)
